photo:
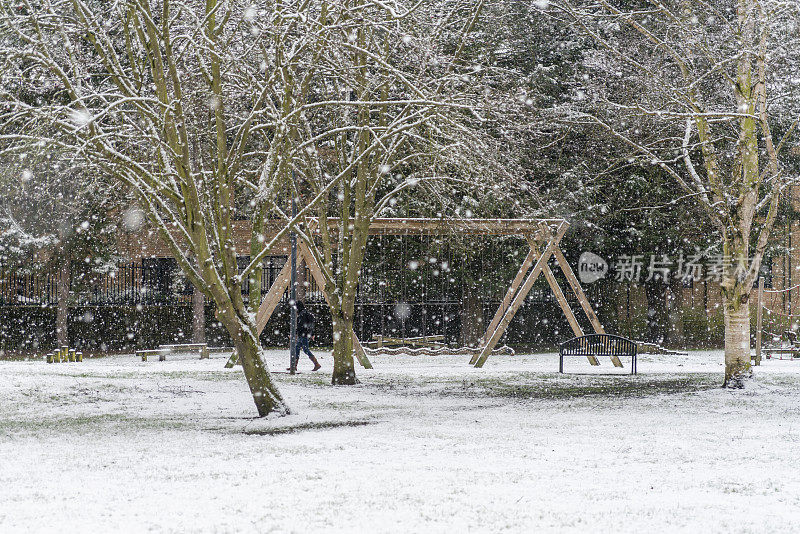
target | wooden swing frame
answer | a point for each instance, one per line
(543, 237)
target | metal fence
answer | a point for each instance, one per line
(155, 281)
(158, 281)
(18, 289)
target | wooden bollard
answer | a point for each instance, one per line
(71, 355)
(78, 356)
(49, 357)
(64, 353)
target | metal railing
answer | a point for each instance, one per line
(157, 283)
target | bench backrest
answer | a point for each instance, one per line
(598, 345)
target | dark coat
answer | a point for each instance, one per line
(305, 322)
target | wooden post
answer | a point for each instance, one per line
(268, 305)
(507, 299)
(515, 305)
(584, 302)
(562, 302)
(512, 290)
(273, 297)
(545, 231)
(316, 272)
(578, 290)
(759, 313)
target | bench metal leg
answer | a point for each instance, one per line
(561, 363)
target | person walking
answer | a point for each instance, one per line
(305, 334)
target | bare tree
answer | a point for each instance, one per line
(404, 116)
(171, 99)
(205, 109)
(700, 89)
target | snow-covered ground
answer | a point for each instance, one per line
(424, 444)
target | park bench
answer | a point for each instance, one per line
(598, 345)
(163, 350)
(202, 348)
(144, 354)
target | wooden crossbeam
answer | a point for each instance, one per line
(316, 272)
(430, 226)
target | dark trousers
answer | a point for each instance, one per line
(302, 344)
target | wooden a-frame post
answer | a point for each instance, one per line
(279, 287)
(535, 231)
(516, 294)
(512, 290)
(316, 272)
(268, 305)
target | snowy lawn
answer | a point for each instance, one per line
(424, 444)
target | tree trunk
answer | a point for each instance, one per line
(657, 312)
(676, 336)
(737, 342)
(471, 318)
(265, 392)
(62, 310)
(344, 371)
(198, 317)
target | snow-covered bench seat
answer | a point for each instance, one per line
(202, 348)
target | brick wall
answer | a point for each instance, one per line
(146, 243)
